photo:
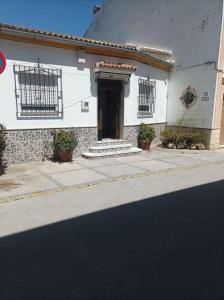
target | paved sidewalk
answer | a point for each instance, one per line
(114, 229)
(35, 178)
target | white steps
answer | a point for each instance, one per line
(131, 151)
(111, 148)
(108, 148)
(110, 142)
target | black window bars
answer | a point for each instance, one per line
(146, 98)
(38, 92)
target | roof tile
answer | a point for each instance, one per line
(87, 40)
(120, 66)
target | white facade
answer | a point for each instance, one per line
(147, 34)
(78, 84)
(200, 115)
(191, 29)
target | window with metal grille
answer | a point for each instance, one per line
(38, 92)
(146, 98)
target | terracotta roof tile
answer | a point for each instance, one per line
(120, 66)
(155, 51)
(65, 36)
(86, 40)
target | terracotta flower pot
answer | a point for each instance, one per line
(65, 155)
(144, 145)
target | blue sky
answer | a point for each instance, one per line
(66, 16)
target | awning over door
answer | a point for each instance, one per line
(104, 70)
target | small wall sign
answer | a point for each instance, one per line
(84, 106)
(2, 62)
(205, 96)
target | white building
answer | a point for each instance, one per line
(161, 64)
(100, 89)
(193, 31)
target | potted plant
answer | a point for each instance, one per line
(145, 136)
(64, 143)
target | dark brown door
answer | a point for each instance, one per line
(100, 114)
(109, 107)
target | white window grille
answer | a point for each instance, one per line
(146, 98)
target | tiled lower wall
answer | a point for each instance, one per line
(27, 145)
(131, 133)
(36, 144)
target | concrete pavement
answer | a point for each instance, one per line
(155, 235)
(50, 192)
(23, 180)
(143, 227)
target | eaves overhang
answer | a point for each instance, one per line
(16, 33)
(112, 71)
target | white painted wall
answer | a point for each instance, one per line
(190, 28)
(203, 79)
(78, 84)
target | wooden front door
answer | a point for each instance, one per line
(222, 124)
(109, 107)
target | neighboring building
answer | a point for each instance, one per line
(193, 31)
(100, 89)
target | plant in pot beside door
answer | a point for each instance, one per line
(64, 143)
(145, 136)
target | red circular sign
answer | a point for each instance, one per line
(2, 63)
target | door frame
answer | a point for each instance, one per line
(120, 121)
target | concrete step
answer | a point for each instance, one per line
(110, 148)
(130, 151)
(107, 142)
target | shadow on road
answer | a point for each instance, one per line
(166, 247)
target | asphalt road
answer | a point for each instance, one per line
(167, 247)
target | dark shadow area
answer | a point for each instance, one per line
(166, 247)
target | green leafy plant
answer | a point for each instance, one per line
(146, 133)
(64, 140)
(196, 138)
(180, 138)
